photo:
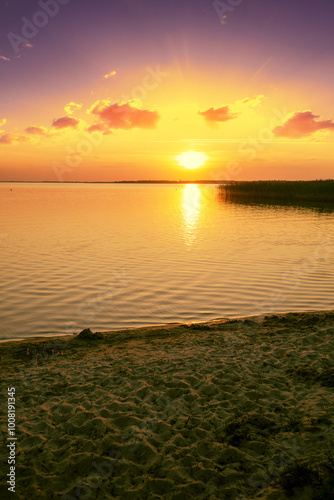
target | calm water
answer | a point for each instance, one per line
(115, 256)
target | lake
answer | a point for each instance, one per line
(112, 256)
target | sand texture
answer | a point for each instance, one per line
(238, 409)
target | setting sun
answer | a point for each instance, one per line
(191, 159)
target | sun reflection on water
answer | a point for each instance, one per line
(191, 207)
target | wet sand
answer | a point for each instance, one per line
(229, 409)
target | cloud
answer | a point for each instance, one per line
(2, 122)
(124, 115)
(4, 58)
(33, 130)
(302, 124)
(214, 115)
(12, 138)
(71, 107)
(112, 73)
(99, 127)
(251, 102)
(6, 139)
(230, 111)
(64, 122)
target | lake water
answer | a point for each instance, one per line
(110, 256)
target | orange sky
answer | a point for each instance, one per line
(90, 110)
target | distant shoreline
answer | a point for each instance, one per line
(285, 191)
(162, 181)
(120, 182)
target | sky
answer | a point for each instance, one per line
(118, 90)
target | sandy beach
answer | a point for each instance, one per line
(229, 409)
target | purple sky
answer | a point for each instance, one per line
(285, 43)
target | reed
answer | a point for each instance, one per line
(287, 191)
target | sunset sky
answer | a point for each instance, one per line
(116, 90)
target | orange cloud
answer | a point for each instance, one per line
(99, 127)
(124, 116)
(4, 58)
(250, 102)
(231, 111)
(64, 122)
(33, 130)
(301, 124)
(214, 115)
(11, 138)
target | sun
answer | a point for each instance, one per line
(191, 159)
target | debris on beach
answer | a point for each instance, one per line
(87, 334)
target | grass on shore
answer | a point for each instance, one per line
(288, 191)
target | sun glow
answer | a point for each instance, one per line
(191, 205)
(191, 159)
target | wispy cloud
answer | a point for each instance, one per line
(230, 111)
(4, 58)
(302, 124)
(71, 107)
(65, 122)
(33, 130)
(2, 122)
(250, 102)
(109, 75)
(12, 138)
